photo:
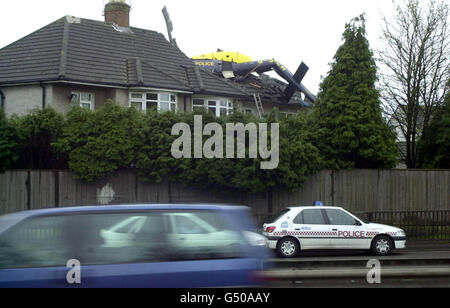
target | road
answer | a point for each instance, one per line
(362, 283)
(420, 265)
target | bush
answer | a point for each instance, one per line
(94, 144)
(100, 142)
(36, 132)
(298, 157)
(9, 143)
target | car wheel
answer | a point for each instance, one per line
(382, 245)
(288, 248)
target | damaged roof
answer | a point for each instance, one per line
(269, 89)
(89, 51)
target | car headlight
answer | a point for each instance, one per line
(401, 232)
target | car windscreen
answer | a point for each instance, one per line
(10, 220)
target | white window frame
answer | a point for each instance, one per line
(143, 100)
(218, 104)
(80, 94)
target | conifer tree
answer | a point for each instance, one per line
(350, 129)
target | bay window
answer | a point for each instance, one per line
(160, 101)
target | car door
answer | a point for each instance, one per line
(35, 253)
(149, 259)
(312, 230)
(349, 232)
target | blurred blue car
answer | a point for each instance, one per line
(131, 246)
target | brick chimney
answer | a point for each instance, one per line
(118, 11)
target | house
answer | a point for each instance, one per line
(81, 62)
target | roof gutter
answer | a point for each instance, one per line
(27, 82)
(139, 88)
(81, 83)
(212, 93)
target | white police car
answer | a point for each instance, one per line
(323, 227)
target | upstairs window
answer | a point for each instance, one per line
(83, 100)
(216, 106)
(160, 101)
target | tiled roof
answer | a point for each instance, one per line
(34, 57)
(89, 51)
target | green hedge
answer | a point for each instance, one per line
(95, 144)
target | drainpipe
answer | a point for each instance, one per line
(2, 101)
(44, 95)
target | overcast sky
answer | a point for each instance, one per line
(291, 31)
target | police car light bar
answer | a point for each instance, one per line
(318, 203)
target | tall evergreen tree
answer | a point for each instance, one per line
(350, 129)
(435, 143)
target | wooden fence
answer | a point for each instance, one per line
(356, 190)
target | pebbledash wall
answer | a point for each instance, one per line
(356, 190)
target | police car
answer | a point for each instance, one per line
(324, 227)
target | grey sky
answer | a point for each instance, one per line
(289, 31)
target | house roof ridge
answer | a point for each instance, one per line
(100, 22)
(199, 77)
(65, 43)
(140, 76)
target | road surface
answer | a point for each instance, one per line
(420, 265)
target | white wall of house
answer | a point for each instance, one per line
(22, 100)
(60, 99)
(121, 97)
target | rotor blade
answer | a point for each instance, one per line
(298, 77)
